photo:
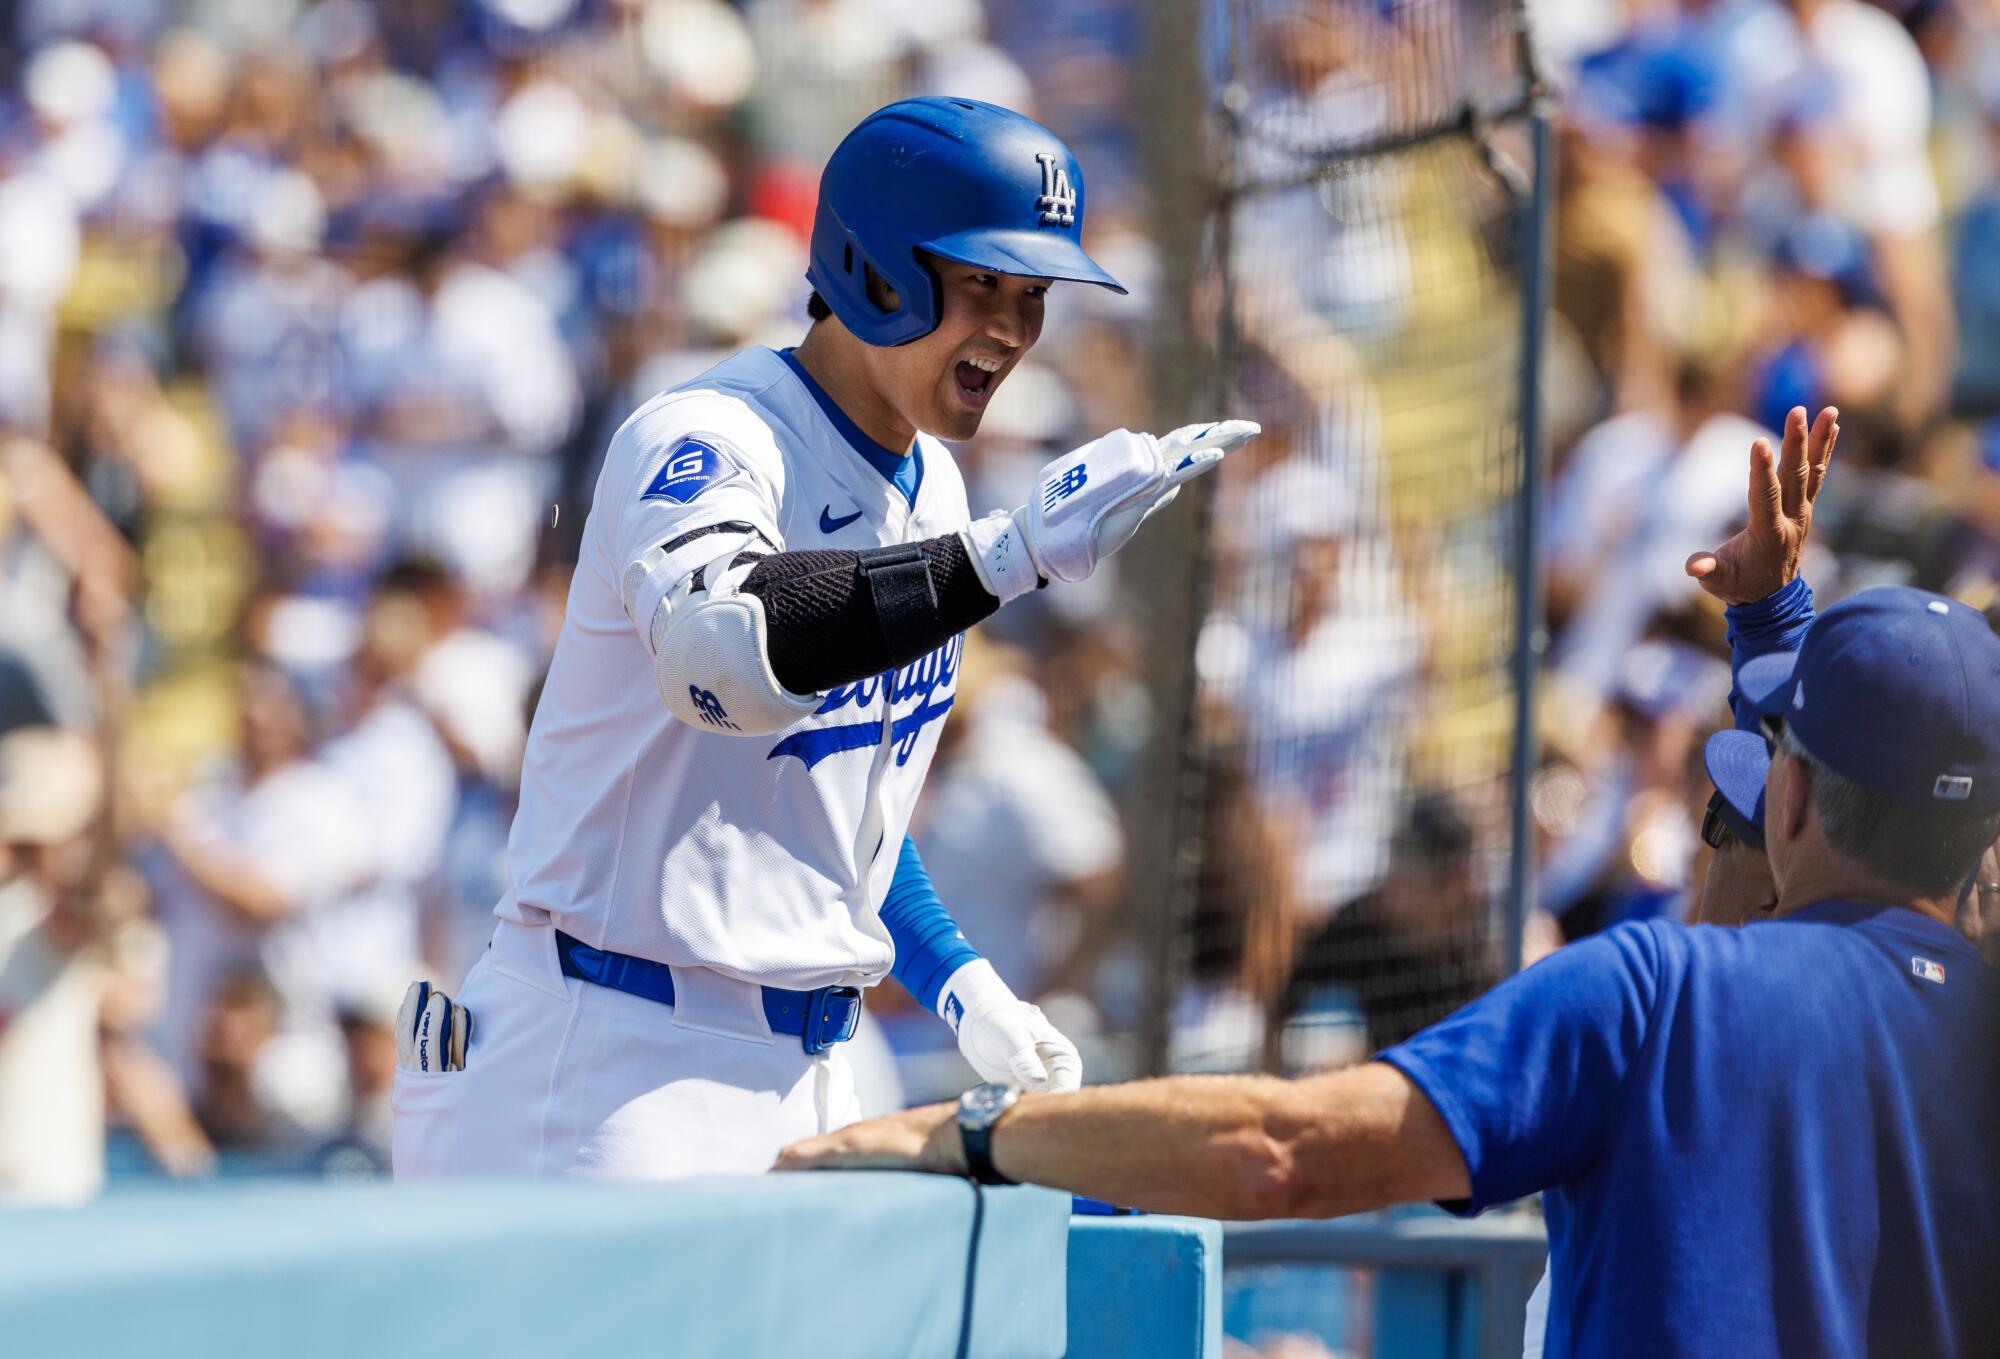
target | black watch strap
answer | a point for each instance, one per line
(978, 1144)
(980, 1110)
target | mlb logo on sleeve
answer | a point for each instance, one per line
(1928, 970)
(689, 470)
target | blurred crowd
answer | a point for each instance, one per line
(316, 318)
(1760, 204)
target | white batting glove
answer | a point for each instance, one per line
(431, 1030)
(1004, 1037)
(1089, 502)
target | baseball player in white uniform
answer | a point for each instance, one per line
(762, 641)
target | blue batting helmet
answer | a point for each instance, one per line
(966, 181)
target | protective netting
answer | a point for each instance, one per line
(1354, 704)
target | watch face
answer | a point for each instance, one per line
(982, 1104)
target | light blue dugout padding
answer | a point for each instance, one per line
(1145, 1288)
(855, 1265)
(1444, 1288)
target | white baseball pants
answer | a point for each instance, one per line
(563, 1077)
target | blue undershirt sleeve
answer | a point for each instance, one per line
(1770, 625)
(929, 946)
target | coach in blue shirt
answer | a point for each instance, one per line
(1776, 1140)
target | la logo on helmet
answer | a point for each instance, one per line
(1058, 200)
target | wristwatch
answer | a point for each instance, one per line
(978, 1110)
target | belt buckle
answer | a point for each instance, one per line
(839, 1006)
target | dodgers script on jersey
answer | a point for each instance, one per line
(765, 858)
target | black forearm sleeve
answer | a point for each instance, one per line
(835, 617)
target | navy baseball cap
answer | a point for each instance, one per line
(1894, 689)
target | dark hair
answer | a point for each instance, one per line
(1434, 834)
(251, 986)
(415, 574)
(1927, 849)
(816, 307)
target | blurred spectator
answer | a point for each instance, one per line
(1244, 930)
(1631, 853)
(1313, 257)
(231, 1100)
(1636, 492)
(824, 65)
(1320, 659)
(359, 1147)
(477, 689)
(1882, 92)
(1890, 517)
(65, 583)
(387, 750)
(1018, 835)
(451, 362)
(265, 321)
(248, 861)
(1416, 948)
(1622, 254)
(1975, 264)
(63, 958)
(1981, 917)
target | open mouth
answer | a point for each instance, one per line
(975, 380)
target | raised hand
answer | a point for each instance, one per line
(1764, 557)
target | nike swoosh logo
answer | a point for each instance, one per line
(828, 524)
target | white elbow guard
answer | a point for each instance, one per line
(712, 660)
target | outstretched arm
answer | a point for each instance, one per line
(1236, 1147)
(745, 642)
(1511, 1095)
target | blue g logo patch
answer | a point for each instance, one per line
(690, 469)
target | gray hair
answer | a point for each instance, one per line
(1930, 850)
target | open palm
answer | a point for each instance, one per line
(1764, 557)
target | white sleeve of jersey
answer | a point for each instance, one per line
(695, 477)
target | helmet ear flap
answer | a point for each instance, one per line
(881, 306)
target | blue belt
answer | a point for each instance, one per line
(818, 1019)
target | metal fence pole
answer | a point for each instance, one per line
(1537, 233)
(1164, 569)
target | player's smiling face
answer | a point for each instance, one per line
(943, 382)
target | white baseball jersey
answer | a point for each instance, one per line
(764, 858)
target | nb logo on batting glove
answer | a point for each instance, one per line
(1064, 486)
(710, 708)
